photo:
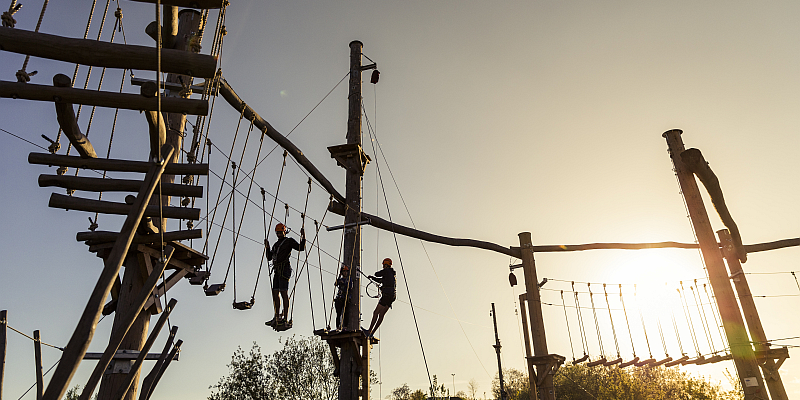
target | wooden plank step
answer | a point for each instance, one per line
(104, 236)
(103, 54)
(91, 184)
(108, 207)
(110, 164)
(126, 101)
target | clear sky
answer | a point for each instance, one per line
(495, 118)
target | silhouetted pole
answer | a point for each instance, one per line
(503, 395)
(37, 351)
(3, 342)
(771, 376)
(732, 322)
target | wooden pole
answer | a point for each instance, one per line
(546, 389)
(497, 346)
(37, 350)
(114, 185)
(348, 378)
(114, 165)
(522, 308)
(84, 331)
(732, 321)
(109, 207)
(123, 322)
(771, 376)
(134, 372)
(126, 101)
(175, 349)
(65, 114)
(103, 54)
(148, 380)
(3, 343)
(201, 4)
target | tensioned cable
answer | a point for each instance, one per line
(373, 135)
(23, 139)
(40, 341)
(716, 321)
(613, 330)
(687, 314)
(581, 327)
(630, 334)
(596, 323)
(569, 334)
(43, 375)
(641, 317)
(703, 319)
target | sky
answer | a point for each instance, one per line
(493, 118)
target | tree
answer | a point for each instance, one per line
(302, 369)
(472, 386)
(401, 393)
(515, 382)
(417, 395)
(579, 382)
(461, 394)
(437, 391)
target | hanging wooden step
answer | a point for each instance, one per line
(98, 237)
(127, 355)
(91, 184)
(102, 54)
(127, 101)
(108, 207)
(108, 164)
(199, 4)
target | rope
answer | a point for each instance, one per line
(614, 331)
(644, 329)
(233, 251)
(569, 334)
(596, 324)
(581, 327)
(677, 335)
(264, 252)
(40, 341)
(630, 334)
(300, 268)
(7, 17)
(702, 312)
(688, 316)
(22, 75)
(321, 283)
(661, 333)
(716, 321)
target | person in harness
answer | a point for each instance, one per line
(344, 284)
(279, 255)
(388, 284)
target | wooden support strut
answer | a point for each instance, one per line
(123, 389)
(110, 164)
(125, 324)
(37, 349)
(68, 96)
(65, 114)
(90, 184)
(3, 344)
(109, 207)
(84, 331)
(200, 4)
(102, 54)
(104, 236)
(148, 380)
(163, 367)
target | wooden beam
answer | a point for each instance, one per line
(109, 207)
(84, 331)
(128, 355)
(3, 344)
(90, 184)
(102, 54)
(110, 164)
(162, 368)
(237, 103)
(170, 29)
(160, 291)
(65, 115)
(123, 389)
(125, 324)
(105, 236)
(37, 350)
(148, 380)
(126, 101)
(156, 129)
(173, 261)
(196, 89)
(338, 208)
(200, 4)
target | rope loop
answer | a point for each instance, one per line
(25, 77)
(8, 20)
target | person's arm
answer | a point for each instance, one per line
(269, 251)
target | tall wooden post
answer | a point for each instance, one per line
(3, 342)
(503, 395)
(37, 352)
(523, 298)
(537, 322)
(732, 322)
(349, 378)
(771, 376)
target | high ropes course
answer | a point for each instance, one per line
(697, 327)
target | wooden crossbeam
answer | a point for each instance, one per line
(175, 87)
(105, 236)
(174, 261)
(147, 382)
(84, 331)
(110, 164)
(91, 184)
(125, 355)
(65, 114)
(68, 96)
(200, 4)
(102, 54)
(109, 207)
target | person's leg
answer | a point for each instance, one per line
(275, 304)
(339, 304)
(285, 296)
(377, 315)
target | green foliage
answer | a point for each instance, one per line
(74, 393)
(579, 382)
(516, 385)
(417, 395)
(302, 369)
(438, 391)
(401, 393)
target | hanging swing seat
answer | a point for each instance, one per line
(613, 362)
(710, 360)
(580, 360)
(660, 362)
(215, 289)
(199, 277)
(243, 305)
(596, 362)
(282, 327)
(629, 363)
(676, 362)
(645, 363)
(694, 360)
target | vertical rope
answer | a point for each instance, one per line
(596, 323)
(613, 330)
(22, 75)
(703, 320)
(581, 328)
(569, 334)
(644, 328)
(630, 334)
(688, 316)
(716, 321)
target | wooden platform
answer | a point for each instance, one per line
(339, 339)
